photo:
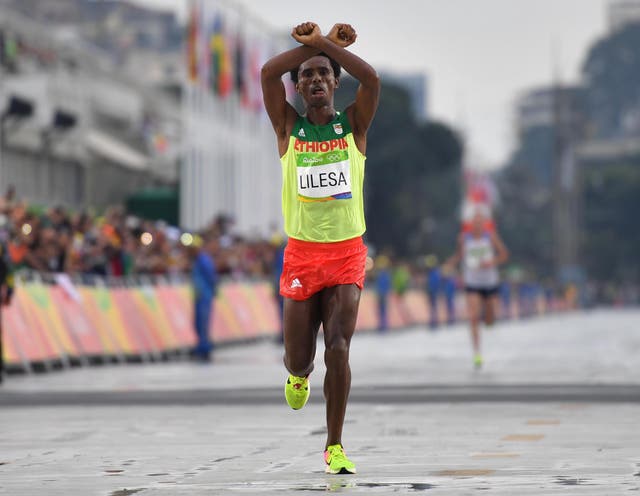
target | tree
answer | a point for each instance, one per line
(413, 186)
(612, 239)
(612, 73)
(525, 219)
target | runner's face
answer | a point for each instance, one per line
(316, 82)
(477, 223)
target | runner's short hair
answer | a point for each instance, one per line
(334, 65)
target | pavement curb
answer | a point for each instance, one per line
(532, 393)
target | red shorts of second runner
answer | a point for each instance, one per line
(311, 267)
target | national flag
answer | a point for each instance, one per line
(221, 77)
(255, 66)
(192, 44)
(241, 76)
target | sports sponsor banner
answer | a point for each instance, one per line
(29, 343)
(82, 328)
(43, 313)
(100, 309)
(225, 324)
(10, 352)
(398, 315)
(33, 335)
(239, 304)
(368, 311)
(416, 302)
(46, 312)
(137, 329)
(155, 317)
(265, 306)
(177, 304)
(46, 323)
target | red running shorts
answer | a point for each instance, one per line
(310, 267)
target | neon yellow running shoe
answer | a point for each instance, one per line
(477, 361)
(296, 391)
(337, 461)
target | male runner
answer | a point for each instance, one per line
(322, 154)
(481, 252)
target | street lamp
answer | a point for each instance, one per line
(61, 122)
(17, 109)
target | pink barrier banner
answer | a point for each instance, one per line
(30, 332)
(398, 312)
(136, 328)
(262, 307)
(402, 311)
(240, 306)
(42, 309)
(368, 311)
(59, 321)
(29, 343)
(155, 317)
(9, 349)
(225, 324)
(178, 307)
(244, 311)
(77, 321)
(417, 306)
(99, 308)
(266, 307)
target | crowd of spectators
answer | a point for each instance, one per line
(117, 244)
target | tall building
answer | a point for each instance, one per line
(538, 114)
(417, 85)
(551, 123)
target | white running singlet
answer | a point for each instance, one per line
(475, 252)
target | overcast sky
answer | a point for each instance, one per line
(479, 55)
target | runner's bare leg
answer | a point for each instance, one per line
(301, 324)
(339, 314)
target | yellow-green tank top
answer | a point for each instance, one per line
(322, 186)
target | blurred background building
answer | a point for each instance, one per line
(621, 13)
(111, 103)
(568, 184)
(231, 163)
(84, 122)
(417, 86)
(108, 102)
(537, 122)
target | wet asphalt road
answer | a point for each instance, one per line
(554, 411)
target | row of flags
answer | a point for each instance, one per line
(223, 59)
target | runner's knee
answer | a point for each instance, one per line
(337, 350)
(489, 317)
(299, 365)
